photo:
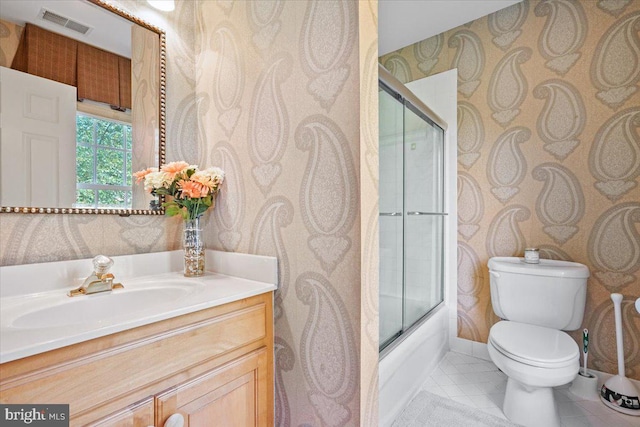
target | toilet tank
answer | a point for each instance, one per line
(551, 293)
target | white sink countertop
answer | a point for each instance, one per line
(36, 315)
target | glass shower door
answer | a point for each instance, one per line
(424, 215)
(390, 220)
(411, 222)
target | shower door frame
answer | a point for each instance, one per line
(404, 96)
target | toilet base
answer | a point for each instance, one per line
(530, 406)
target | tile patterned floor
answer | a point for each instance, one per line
(478, 383)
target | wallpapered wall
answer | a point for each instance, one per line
(40, 238)
(283, 96)
(10, 34)
(548, 151)
(278, 96)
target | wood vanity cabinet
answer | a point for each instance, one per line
(138, 414)
(214, 366)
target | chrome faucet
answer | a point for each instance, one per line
(98, 281)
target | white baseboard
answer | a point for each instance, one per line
(470, 348)
(479, 350)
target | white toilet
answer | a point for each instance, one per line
(536, 302)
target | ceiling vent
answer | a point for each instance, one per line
(76, 26)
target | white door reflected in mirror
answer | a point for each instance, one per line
(38, 146)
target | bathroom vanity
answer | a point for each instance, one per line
(204, 352)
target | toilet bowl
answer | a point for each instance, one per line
(537, 302)
(534, 359)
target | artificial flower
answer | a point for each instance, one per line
(192, 191)
(174, 168)
(156, 179)
(211, 177)
(139, 176)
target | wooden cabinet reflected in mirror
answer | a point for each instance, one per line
(82, 98)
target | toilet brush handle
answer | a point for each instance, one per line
(585, 349)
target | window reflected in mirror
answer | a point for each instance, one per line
(103, 159)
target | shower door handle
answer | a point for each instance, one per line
(426, 213)
(390, 213)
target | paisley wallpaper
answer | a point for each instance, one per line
(146, 105)
(279, 87)
(10, 34)
(283, 96)
(548, 151)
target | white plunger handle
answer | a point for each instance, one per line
(617, 300)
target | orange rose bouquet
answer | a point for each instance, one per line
(192, 191)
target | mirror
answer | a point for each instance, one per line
(82, 95)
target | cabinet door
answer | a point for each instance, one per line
(234, 395)
(137, 415)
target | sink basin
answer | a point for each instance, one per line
(103, 307)
(37, 316)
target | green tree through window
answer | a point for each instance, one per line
(103, 159)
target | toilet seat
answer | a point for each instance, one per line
(534, 345)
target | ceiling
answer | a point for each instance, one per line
(404, 22)
(400, 22)
(108, 30)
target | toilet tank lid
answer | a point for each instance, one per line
(546, 267)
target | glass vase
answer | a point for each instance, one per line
(193, 248)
